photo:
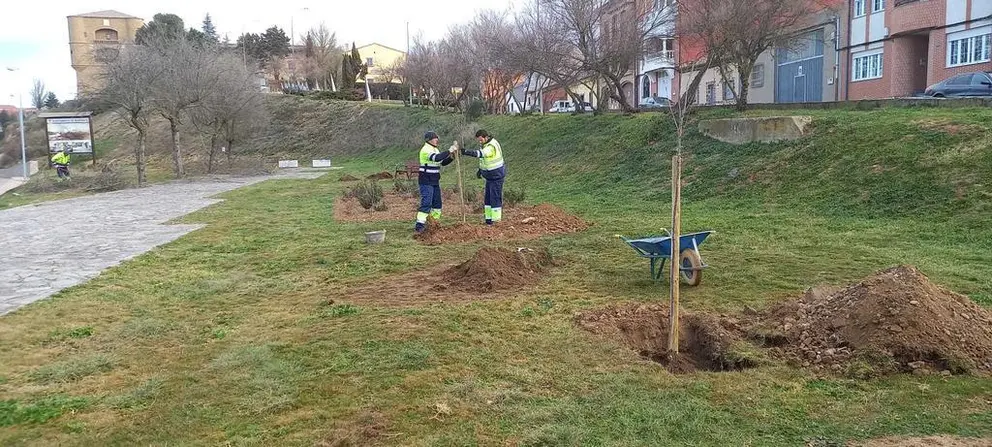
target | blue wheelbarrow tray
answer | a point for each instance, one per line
(658, 249)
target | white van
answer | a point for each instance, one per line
(562, 106)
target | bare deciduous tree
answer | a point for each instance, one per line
(225, 113)
(736, 33)
(538, 47)
(38, 94)
(322, 64)
(128, 84)
(189, 75)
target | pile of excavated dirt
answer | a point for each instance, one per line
(398, 207)
(891, 322)
(380, 176)
(497, 268)
(896, 320)
(518, 223)
(348, 178)
(706, 342)
(491, 273)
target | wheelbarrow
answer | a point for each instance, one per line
(658, 249)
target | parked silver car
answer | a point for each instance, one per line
(655, 102)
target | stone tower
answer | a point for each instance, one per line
(95, 39)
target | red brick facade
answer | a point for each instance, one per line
(915, 49)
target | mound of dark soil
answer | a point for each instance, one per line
(498, 268)
(349, 178)
(896, 320)
(518, 223)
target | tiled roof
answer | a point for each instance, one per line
(108, 14)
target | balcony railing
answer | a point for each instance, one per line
(666, 54)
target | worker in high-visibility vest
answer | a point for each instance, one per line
(429, 179)
(491, 168)
(61, 162)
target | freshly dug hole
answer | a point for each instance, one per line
(706, 343)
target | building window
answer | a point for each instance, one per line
(710, 93)
(728, 91)
(866, 67)
(859, 8)
(105, 35)
(758, 76)
(877, 5)
(969, 50)
(368, 61)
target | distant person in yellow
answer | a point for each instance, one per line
(492, 169)
(61, 162)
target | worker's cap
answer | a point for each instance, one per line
(430, 135)
(482, 133)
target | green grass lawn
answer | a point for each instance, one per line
(226, 336)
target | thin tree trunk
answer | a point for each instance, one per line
(177, 161)
(230, 148)
(673, 320)
(213, 149)
(744, 73)
(139, 156)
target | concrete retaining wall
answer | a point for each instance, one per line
(766, 129)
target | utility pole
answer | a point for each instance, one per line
(24, 150)
(20, 114)
(408, 60)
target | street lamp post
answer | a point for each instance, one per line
(24, 147)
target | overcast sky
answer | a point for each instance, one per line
(34, 35)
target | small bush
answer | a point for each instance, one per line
(514, 196)
(380, 206)
(368, 193)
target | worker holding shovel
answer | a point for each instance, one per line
(492, 169)
(429, 179)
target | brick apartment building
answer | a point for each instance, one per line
(899, 47)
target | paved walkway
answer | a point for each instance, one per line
(96, 232)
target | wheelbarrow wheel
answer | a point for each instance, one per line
(691, 267)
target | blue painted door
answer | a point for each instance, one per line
(799, 69)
